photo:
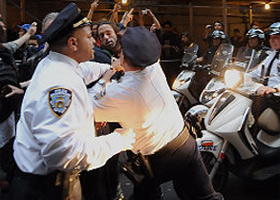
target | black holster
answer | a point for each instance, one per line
(67, 181)
(137, 168)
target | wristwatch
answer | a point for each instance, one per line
(101, 81)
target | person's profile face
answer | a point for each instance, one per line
(84, 43)
(217, 42)
(94, 30)
(33, 43)
(107, 36)
(253, 42)
(184, 39)
(274, 42)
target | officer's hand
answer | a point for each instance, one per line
(116, 64)
(128, 137)
(108, 74)
(263, 90)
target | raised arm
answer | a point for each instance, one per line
(31, 31)
(127, 17)
(93, 6)
(155, 20)
(114, 16)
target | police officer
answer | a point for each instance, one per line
(267, 74)
(55, 134)
(255, 39)
(219, 37)
(142, 101)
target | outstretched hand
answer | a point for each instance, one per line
(116, 64)
(263, 90)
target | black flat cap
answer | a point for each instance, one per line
(67, 20)
(140, 46)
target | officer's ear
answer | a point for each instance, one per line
(72, 43)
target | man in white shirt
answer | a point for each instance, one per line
(267, 74)
(55, 136)
(141, 100)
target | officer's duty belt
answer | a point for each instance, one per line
(173, 145)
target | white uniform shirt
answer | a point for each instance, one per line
(274, 78)
(143, 102)
(46, 142)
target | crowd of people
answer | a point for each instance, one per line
(76, 75)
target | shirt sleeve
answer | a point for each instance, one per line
(11, 46)
(91, 71)
(256, 73)
(68, 142)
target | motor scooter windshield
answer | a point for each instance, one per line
(190, 55)
(222, 57)
(246, 59)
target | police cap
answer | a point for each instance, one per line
(67, 20)
(140, 46)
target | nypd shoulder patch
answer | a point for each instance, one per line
(60, 100)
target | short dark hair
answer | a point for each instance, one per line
(219, 23)
(62, 40)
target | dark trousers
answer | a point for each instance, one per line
(54, 186)
(31, 187)
(7, 160)
(101, 183)
(185, 168)
(261, 103)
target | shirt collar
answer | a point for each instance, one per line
(62, 58)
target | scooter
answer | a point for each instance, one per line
(205, 90)
(228, 143)
(182, 87)
(216, 86)
(194, 77)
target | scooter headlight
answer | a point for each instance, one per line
(209, 95)
(233, 78)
